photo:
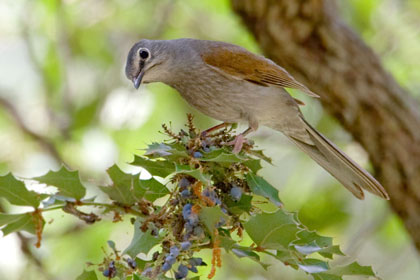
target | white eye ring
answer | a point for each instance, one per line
(144, 53)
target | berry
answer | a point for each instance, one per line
(185, 193)
(147, 272)
(193, 269)
(182, 272)
(190, 217)
(184, 182)
(131, 263)
(236, 193)
(166, 266)
(170, 259)
(197, 155)
(185, 245)
(106, 273)
(174, 251)
(196, 262)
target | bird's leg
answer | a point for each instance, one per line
(213, 128)
(239, 140)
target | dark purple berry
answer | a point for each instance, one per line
(193, 269)
(236, 193)
(174, 251)
(185, 193)
(196, 262)
(170, 259)
(185, 245)
(166, 266)
(197, 155)
(182, 272)
(131, 263)
(106, 273)
(184, 182)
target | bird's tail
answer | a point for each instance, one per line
(338, 164)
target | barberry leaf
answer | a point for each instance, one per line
(16, 193)
(66, 181)
(150, 189)
(161, 168)
(211, 216)
(221, 156)
(87, 275)
(260, 186)
(241, 206)
(142, 242)
(25, 222)
(246, 252)
(196, 173)
(123, 185)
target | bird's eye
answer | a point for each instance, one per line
(144, 53)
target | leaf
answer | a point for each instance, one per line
(66, 181)
(16, 193)
(87, 275)
(25, 222)
(245, 252)
(9, 218)
(261, 187)
(211, 216)
(260, 154)
(272, 230)
(253, 164)
(196, 173)
(312, 239)
(158, 149)
(220, 155)
(122, 189)
(150, 189)
(161, 168)
(313, 266)
(142, 242)
(241, 206)
(352, 269)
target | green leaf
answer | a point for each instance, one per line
(150, 189)
(260, 154)
(313, 266)
(123, 185)
(220, 155)
(211, 216)
(352, 269)
(9, 218)
(196, 173)
(87, 275)
(66, 181)
(142, 242)
(308, 240)
(253, 164)
(158, 149)
(245, 252)
(16, 193)
(261, 187)
(161, 168)
(272, 230)
(25, 222)
(241, 206)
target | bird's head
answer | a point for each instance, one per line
(148, 61)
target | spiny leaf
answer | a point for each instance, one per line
(352, 269)
(313, 266)
(161, 168)
(245, 252)
(87, 275)
(16, 193)
(241, 206)
(211, 216)
(220, 155)
(25, 222)
(272, 230)
(150, 189)
(196, 173)
(261, 187)
(142, 242)
(66, 181)
(123, 185)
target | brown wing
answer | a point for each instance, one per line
(242, 64)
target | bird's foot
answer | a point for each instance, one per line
(237, 143)
(206, 132)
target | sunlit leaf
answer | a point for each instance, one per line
(241, 206)
(66, 181)
(142, 242)
(211, 216)
(161, 168)
(87, 275)
(313, 266)
(261, 187)
(196, 173)
(16, 193)
(25, 222)
(150, 189)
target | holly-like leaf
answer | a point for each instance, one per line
(142, 242)
(313, 266)
(150, 189)
(9, 218)
(253, 164)
(66, 181)
(260, 154)
(352, 269)
(161, 168)
(261, 187)
(196, 173)
(220, 155)
(87, 275)
(158, 149)
(245, 252)
(123, 185)
(211, 216)
(272, 230)
(16, 193)
(241, 206)
(25, 222)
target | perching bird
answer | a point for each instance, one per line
(231, 84)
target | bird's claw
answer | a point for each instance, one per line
(237, 143)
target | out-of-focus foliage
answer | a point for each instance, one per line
(64, 97)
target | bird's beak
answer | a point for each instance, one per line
(137, 80)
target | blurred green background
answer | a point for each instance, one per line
(64, 97)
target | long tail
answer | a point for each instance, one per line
(338, 164)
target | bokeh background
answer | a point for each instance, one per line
(64, 97)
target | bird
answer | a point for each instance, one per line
(233, 85)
